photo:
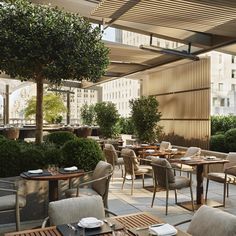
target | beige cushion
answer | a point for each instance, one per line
(120, 161)
(73, 209)
(129, 153)
(8, 202)
(102, 169)
(163, 162)
(182, 166)
(220, 177)
(209, 221)
(180, 182)
(165, 145)
(232, 161)
(144, 169)
(192, 151)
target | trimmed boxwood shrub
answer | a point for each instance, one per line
(230, 140)
(9, 158)
(52, 155)
(217, 143)
(83, 153)
(31, 158)
(59, 138)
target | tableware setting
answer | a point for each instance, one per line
(72, 168)
(185, 159)
(150, 150)
(209, 157)
(90, 222)
(38, 171)
(163, 230)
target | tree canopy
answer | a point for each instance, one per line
(44, 43)
(53, 108)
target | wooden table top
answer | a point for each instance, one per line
(135, 220)
(55, 176)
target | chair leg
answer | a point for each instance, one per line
(167, 198)
(191, 193)
(143, 180)
(17, 219)
(207, 183)
(154, 195)
(175, 196)
(132, 187)
(225, 186)
(124, 177)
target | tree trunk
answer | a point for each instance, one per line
(39, 112)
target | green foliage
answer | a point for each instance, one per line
(53, 108)
(87, 114)
(41, 42)
(59, 138)
(106, 117)
(9, 158)
(217, 143)
(230, 140)
(145, 116)
(126, 126)
(221, 124)
(31, 158)
(83, 152)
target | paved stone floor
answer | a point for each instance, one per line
(121, 202)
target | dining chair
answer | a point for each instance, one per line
(164, 177)
(13, 201)
(211, 221)
(97, 184)
(228, 176)
(191, 152)
(165, 145)
(111, 155)
(71, 210)
(133, 168)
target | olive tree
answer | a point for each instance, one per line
(41, 43)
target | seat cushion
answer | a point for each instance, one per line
(8, 202)
(182, 167)
(73, 209)
(212, 222)
(180, 182)
(144, 169)
(220, 177)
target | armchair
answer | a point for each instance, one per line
(13, 201)
(98, 184)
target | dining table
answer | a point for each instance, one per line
(131, 223)
(53, 178)
(199, 163)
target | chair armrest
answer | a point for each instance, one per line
(94, 180)
(7, 182)
(182, 222)
(107, 211)
(8, 190)
(45, 222)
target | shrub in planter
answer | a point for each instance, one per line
(59, 138)
(9, 158)
(53, 155)
(230, 140)
(31, 158)
(83, 153)
(217, 143)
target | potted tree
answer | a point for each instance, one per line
(43, 43)
(145, 117)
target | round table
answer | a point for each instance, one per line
(53, 181)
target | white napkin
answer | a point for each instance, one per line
(185, 158)
(72, 168)
(150, 150)
(90, 222)
(163, 230)
(174, 149)
(38, 171)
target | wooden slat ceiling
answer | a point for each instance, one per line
(211, 16)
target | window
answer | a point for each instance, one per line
(214, 101)
(220, 86)
(228, 102)
(233, 74)
(233, 59)
(233, 87)
(222, 102)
